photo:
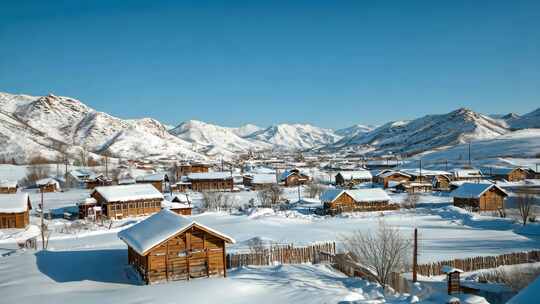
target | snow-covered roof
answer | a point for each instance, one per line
(8, 184)
(88, 201)
(470, 190)
(209, 175)
(14, 203)
(358, 174)
(359, 195)
(126, 181)
(423, 172)
(449, 269)
(368, 195)
(47, 181)
(390, 173)
(497, 170)
(156, 177)
(263, 178)
(466, 173)
(159, 227)
(175, 205)
(123, 193)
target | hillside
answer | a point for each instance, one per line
(296, 136)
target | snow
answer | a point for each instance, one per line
(469, 190)
(448, 269)
(331, 194)
(156, 177)
(295, 136)
(8, 184)
(466, 173)
(124, 193)
(358, 174)
(529, 294)
(157, 228)
(359, 195)
(47, 181)
(13, 203)
(263, 179)
(209, 175)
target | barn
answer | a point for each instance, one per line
(479, 197)
(211, 181)
(127, 200)
(293, 177)
(7, 187)
(14, 210)
(351, 178)
(338, 200)
(158, 180)
(169, 247)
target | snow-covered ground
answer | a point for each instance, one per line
(89, 264)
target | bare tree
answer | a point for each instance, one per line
(216, 201)
(256, 245)
(410, 201)
(270, 195)
(36, 170)
(314, 190)
(525, 205)
(382, 252)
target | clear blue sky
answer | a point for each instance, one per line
(330, 63)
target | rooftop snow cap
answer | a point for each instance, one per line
(470, 190)
(123, 193)
(358, 174)
(14, 203)
(210, 175)
(159, 227)
(359, 195)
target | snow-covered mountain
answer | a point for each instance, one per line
(427, 133)
(40, 125)
(208, 137)
(246, 130)
(296, 136)
(526, 121)
(353, 131)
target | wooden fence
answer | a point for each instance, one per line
(482, 262)
(284, 254)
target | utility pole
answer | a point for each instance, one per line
(420, 170)
(446, 164)
(42, 222)
(469, 154)
(415, 255)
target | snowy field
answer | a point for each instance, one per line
(91, 264)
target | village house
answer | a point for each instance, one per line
(479, 197)
(507, 174)
(414, 187)
(158, 180)
(168, 247)
(127, 200)
(293, 177)
(352, 178)
(89, 209)
(390, 178)
(211, 181)
(178, 204)
(14, 210)
(467, 175)
(7, 187)
(48, 185)
(259, 181)
(338, 200)
(181, 186)
(186, 169)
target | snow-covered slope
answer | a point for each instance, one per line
(209, 137)
(529, 120)
(45, 123)
(246, 130)
(296, 136)
(353, 131)
(428, 132)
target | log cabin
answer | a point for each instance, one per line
(293, 177)
(336, 201)
(48, 185)
(507, 174)
(158, 180)
(169, 247)
(390, 178)
(14, 210)
(186, 169)
(259, 181)
(211, 181)
(7, 187)
(352, 178)
(127, 200)
(479, 197)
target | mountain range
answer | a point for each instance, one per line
(48, 125)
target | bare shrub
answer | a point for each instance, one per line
(35, 171)
(383, 251)
(525, 205)
(410, 201)
(256, 245)
(314, 190)
(270, 195)
(216, 201)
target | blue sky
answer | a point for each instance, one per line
(330, 63)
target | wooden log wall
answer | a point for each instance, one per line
(285, 254)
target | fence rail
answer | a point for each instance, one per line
(481, 262)
(284, 254)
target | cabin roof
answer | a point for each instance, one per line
(14, 203)
(155, 177)
(122, 193)
(466, 172)
(448, 269)
(158, 228)
(390, 173)
(498, 170)
(262, 178)
(209, 175)
(47, 181)
(8, 184)
(359, 195)
(470, 190)
(357, 174)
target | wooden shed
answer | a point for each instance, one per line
(14, 210)
(338, 200)
(479, 197)
(127, 200)
(293, 177)
(7, 187)
(211, 181)
(48, 185)
(168, 247)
